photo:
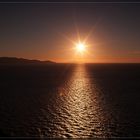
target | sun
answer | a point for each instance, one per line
(80, 47)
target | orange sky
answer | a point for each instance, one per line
(47, 32)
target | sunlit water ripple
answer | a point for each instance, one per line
(75, 105)
(78, 111)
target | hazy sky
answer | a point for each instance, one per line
(43, 31)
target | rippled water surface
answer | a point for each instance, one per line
(67, 100)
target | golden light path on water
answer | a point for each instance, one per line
(79, 112)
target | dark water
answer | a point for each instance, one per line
(65, 100)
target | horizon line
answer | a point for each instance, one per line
(69, 61)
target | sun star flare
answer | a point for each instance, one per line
(80, 47)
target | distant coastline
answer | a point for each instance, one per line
(15, 60)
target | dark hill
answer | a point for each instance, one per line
(14, 60)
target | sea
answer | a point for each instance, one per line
(70, 101)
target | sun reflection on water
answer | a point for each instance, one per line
(80, 105)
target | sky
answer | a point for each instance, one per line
(48, 31)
